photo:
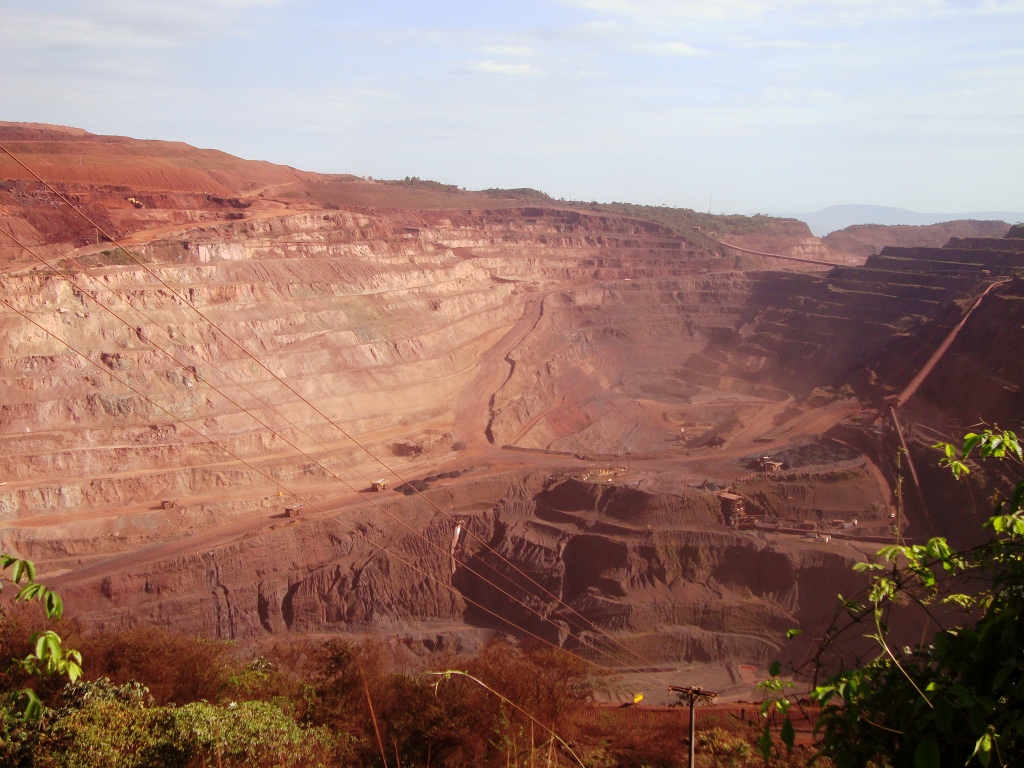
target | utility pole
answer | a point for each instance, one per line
(899, 499)
(692, 695)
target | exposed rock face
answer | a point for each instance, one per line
(874, 325)
(863, 240)
(380, 324)
(590, 344)
(989, 355)
(793, 239)
(614, 563)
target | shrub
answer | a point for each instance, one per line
(107, 732)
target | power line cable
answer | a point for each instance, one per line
(589, 626)
(401, 522)
(353, 531)
(206, 361)
(347, 485)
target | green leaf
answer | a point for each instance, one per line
(944, 714)
(937, 548)
(787, 734)
(791, 633)
(961, 600)
(959, 469)
(862, 567)
(764, 744)
(40, 645)
(775, 668)
(31, 591)
(33, 707)
(54, 605)
(927, 754)
(983, 749)
(993, 447)
(1009, 666)
(1015, 447)
(1017, 498)
(823, 693)
(976, 719)
(893, 552)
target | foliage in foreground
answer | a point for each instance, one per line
(48, 657)
(958, 700)
(105, 726)
(309, 704)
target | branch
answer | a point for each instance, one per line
(447, 675)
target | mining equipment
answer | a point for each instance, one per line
(733, 506)
(379, 485)
(293, 510)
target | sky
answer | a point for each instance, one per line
(738, 105)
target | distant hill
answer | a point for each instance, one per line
(841, 216)
(859, 241)
(172, 184)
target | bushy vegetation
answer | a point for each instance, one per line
(417, 183)
(146, 697)
(152, 698)
(519, 193)
(685, 222)
(99, 725)
(957, 699)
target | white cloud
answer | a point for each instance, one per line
(405, 36)
(645, 11)
(508, 50)
(33, 31)
(810, 12)
(601, 27)
(676, 49)
(785, 45)
(113, 24)
(1002, 6)
(492, 67)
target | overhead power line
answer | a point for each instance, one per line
(586, 626)
(294, 494)
(381, 508)
(589, 625)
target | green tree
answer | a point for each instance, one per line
(105, 726)
(958, 699)
(48, 656)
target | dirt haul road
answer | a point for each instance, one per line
(472, 416)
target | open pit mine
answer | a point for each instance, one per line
(241, 400)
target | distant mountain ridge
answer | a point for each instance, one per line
(837, 217)
(859, 241)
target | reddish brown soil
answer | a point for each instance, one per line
(534, 368)
(863, 240)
